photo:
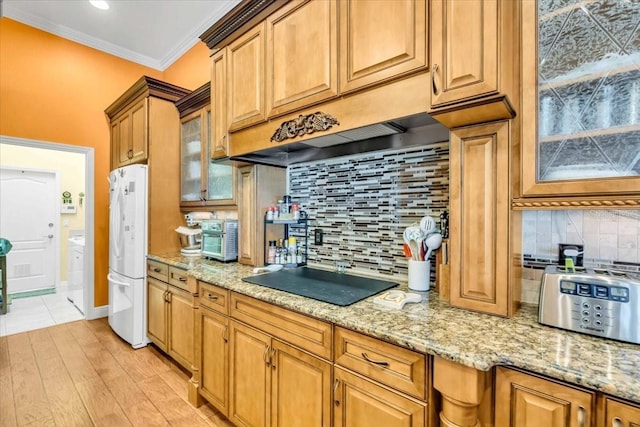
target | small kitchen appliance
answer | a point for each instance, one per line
(191, 235)
(220, 239)
(597, 302)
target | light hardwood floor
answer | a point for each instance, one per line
(82, 374)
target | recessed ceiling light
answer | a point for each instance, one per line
(100, 4)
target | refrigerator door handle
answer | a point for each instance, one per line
(117, 282)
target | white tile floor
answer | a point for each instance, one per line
(27, 314)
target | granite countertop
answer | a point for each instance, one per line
(473, 339)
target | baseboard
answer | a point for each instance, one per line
(35, 293)
(97, 312)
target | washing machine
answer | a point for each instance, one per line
(75, 272)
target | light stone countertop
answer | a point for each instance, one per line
(473, 339)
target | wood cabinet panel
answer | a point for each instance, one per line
(158, 270)
(480, 219)
(527, 400)
(310, 334)
(380, 40)
(181, 326)
(214, 297)
(389, 364)
(245, 79)
(219, 97)
(361, 403)
(619, 414)
(464, 52)
(250, 377)
(300, 388)
(157, 312)
(214, 358)
(302, 55)
(129, 134)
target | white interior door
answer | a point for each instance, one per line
(29, 220)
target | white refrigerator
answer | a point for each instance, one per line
(128, 210)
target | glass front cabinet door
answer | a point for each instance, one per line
(581, 101)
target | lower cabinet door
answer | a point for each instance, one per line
(619, 414)
(249, 377)
(181, 327)
(300, 388)
(361, 403)
(523, 400)
(214, 378)
(157, 312)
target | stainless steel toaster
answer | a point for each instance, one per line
(604, 303)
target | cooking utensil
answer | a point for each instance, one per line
(407, 250)
(411, 235)
(427, 224)
(433, 242)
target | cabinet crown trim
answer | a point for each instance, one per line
(195, 100)
(146, 86)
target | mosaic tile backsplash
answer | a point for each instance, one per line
(364, 202)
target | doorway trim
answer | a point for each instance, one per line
(90, 312)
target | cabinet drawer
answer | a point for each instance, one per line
(178, 278)
(397, 367)
(305, 332)
(214, 297)
(158, 270)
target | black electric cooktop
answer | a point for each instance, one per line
(327, 286)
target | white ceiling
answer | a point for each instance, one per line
(153, 33)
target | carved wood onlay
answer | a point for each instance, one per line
(632, 202)
(304, 125)
(194, 101)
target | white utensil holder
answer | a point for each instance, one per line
(419, 273)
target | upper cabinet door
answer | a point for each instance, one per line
(581, 102)
(219, 96)
(380, 40)
(302, 55)
(246, 94)
(464, 50)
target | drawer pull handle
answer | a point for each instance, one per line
(616, 422)
(212, 297)
(156, 269)
(336, 383)
(377, 362)
(182, 279)
(582, 415)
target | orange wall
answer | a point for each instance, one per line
(56, 90)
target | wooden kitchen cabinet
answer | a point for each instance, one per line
(211, 371)
(219, 96)
(524, 400)
(258, 188)
(146, 116)
(171, 303)
(302, 55)
(204, 181)
(129, 136)
(381, 40)
(362, 403)
(273, 383)
(620, 414)
(484, 232)
(473, 60)
(580, 106)
(246, 79)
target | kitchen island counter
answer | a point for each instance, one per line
(472, 339)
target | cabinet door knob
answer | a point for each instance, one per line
(377, 362)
